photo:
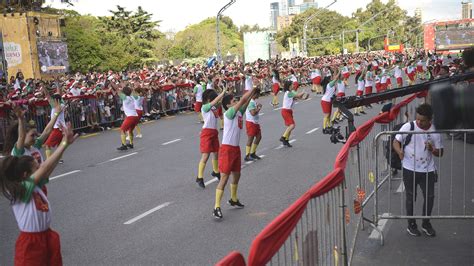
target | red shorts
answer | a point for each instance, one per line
(399, 81)
(359, 93)
(378, 87)
(411, 77)
(54, 138)
(326, 106)
(140, 114)
(419, 69)
(296, 85)
(275, 88)
(341, 94)
(197, 107)
(383, 86)
(129, 123)
(317, 80)
(209, 140)
(288, 116)
(368, 90)
(346, 75)
(229, 159)
(41, 248)
(389, 81)
(253, 129)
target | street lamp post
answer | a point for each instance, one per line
(218, 39)
(305, 27)
(363, 24)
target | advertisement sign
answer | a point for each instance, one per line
(53, 57)
(12, 53)
(454, 38)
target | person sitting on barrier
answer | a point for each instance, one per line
(418, 165)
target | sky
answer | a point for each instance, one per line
(175, 15)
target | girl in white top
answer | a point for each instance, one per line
(287, 111)
(229, 152)
(316, 80)
(341, 92)
(131, 117)
(198, 91)
(360, 93)
(21, 181)
(209, 137)
(275, 87)
(248, 80)
(254, 133)
(326, 102)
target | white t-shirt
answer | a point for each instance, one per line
(61, 121)
(248, 83)
(33, 214)
(417, 158)
(209, 115)
(248, 115)
(232, 125)
(288, 99)
(33, 151)
(330, 90)
(369, 79)
(315, 73)
(341, 88)
(360, 84)
(198, 91)
(138, 101)
(75, 91)
(397, 72)
(129, 106)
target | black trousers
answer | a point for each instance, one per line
(426, 181)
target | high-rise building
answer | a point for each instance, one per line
(283, 8)
(419, 13)
(307, 5)
(466, 9)
(291, 3)
(274, 13)
(294, 10)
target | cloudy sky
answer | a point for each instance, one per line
(177, 14)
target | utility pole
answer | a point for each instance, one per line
(305, 27)
(218, 39)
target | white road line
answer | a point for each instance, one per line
(121, 157)
(172, 141)
(65, 174)
(281, 146)
(312, 130)
(211, 181)
(262, 156)
(249, 162)
(131, 221)
(276, 109)
(401, 188)
(381, 226)
(307, 99)
(261, 113)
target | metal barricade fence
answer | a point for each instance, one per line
(452, 185)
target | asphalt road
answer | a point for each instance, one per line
(100, 197)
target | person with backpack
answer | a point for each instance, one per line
(417, 152)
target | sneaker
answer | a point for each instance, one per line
(247, 158)
(61, 161)
(216, 175)
(217, 213)
(327, 130)
(287, 144)
(130, 146)
(255, 156)
(200, 182)
(356, 114)
(282, 139)
(413, 230)
(363, 112)
(122, 148)
(236, 204)
(428, 229)
(139, 136)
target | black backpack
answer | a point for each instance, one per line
(390, 154)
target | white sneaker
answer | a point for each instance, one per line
(139, 136)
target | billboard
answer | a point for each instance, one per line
(53, 57)
(454, 38)
(256, 45)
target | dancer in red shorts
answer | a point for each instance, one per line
(56, 135)
(275, 87)
(131, 119)
(254, 133)
(287, 111)
(21, 182)
(326, 102)
(209, 139)
(229, 152)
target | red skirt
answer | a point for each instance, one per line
(197, 107)
(275, 88)
(42, 248)
(129, 123)
(389, 81)
(287, 115)
(346, 75)
(253, 129)
(140, 114)
(368, 90)
(326, 106)
(378, 87)
(54, 138)
(399, 81)
(359, 93)
(229, 159)
(209, 140)
(341, 94)
(317, 80)
(419, 69)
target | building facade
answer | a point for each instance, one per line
(466, 9)
(274, 13)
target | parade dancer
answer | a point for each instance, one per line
(131, 118)
(287, 111)
(254, 133)
(275, 87)
(326, 103)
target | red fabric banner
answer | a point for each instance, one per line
(233, 259)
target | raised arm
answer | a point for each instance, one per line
(245, 99)
(47, 167)
(49, 127)
(218, 98)
(20, 114)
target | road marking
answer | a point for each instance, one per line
(312, 130)
(131, 221)
(261, 113)
(169, 117)
(65, 174)
(276, 109)
(172, 141)
(307, 99)
(211, 181)
(148, 122)
(281, 146)
(381, 226)
(121, 157)
(89, 135)
(401, 188)
(297, 102)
